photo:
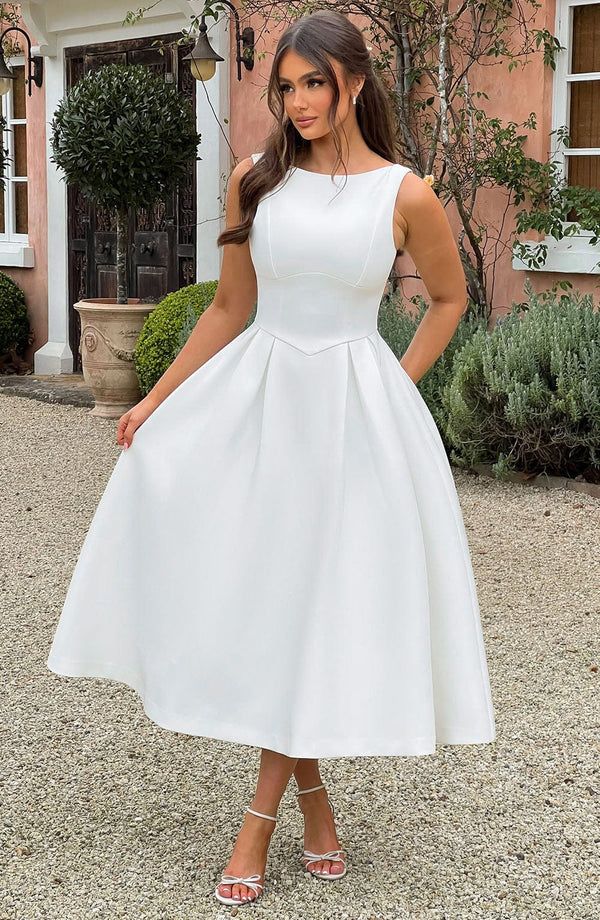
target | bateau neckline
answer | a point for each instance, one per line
(366, 172)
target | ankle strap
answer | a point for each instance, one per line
(302, 791)
(260, 814)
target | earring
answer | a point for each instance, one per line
(354, 100)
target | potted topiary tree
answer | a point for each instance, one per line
(124, 137)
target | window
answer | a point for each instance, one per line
(582, 95)
(13, 202)
(14, 221)
(576, 105)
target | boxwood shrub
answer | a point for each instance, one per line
(167, 329)
(14, 321)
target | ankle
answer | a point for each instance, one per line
(313, 801)
(261, 826)
(307, 780)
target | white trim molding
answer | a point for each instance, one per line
(16, 255)
(214, 168)
(33, 12)
(572, 253)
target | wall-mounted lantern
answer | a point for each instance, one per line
(35, 66)
(203, 58)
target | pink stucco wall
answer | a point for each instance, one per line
(512, 97)
(251, 119)
(34, 281)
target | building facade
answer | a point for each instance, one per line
(59, 248)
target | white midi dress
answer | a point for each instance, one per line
(279, 559)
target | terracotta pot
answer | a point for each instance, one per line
(109, 332)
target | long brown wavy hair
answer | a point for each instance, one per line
(315, 37)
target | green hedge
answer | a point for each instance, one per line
(14, 322)
(526, 396)
(167, 329)
(397, 326)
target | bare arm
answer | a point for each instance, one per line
(431, 245)
(232, 304)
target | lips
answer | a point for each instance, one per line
(305, 121)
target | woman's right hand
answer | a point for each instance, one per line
(131, 420)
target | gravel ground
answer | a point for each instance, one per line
(106, 815)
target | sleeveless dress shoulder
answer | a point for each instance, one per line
(280, 559)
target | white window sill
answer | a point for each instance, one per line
(18, 255)
(572, 254)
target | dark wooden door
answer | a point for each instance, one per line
(162, 239)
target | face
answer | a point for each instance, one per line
(307, 96)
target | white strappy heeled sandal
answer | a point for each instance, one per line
(251, 881)
(333, 855)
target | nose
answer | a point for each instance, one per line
(299, 105)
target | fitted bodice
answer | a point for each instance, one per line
(322, 251)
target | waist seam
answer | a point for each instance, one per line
(318, 350)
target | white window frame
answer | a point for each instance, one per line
(573, 253)
(14, 247)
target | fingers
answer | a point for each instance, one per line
(131, 421)
(126, 429)
(128, 434)
(121, 428)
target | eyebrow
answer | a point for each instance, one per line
(305, 76)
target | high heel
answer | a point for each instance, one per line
(334, 855)
(251, 881)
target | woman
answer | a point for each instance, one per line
(279, 557)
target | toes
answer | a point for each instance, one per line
(328, 867)
(242, 893)
(239, 892)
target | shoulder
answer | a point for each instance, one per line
(240, 169)
(233, 183)
(232, 197)
(415, 199)
(413, 192)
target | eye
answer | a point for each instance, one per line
(285, 86)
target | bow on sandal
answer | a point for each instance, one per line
(251, 881)
(334, 855)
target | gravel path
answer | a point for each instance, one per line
(106, 815)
